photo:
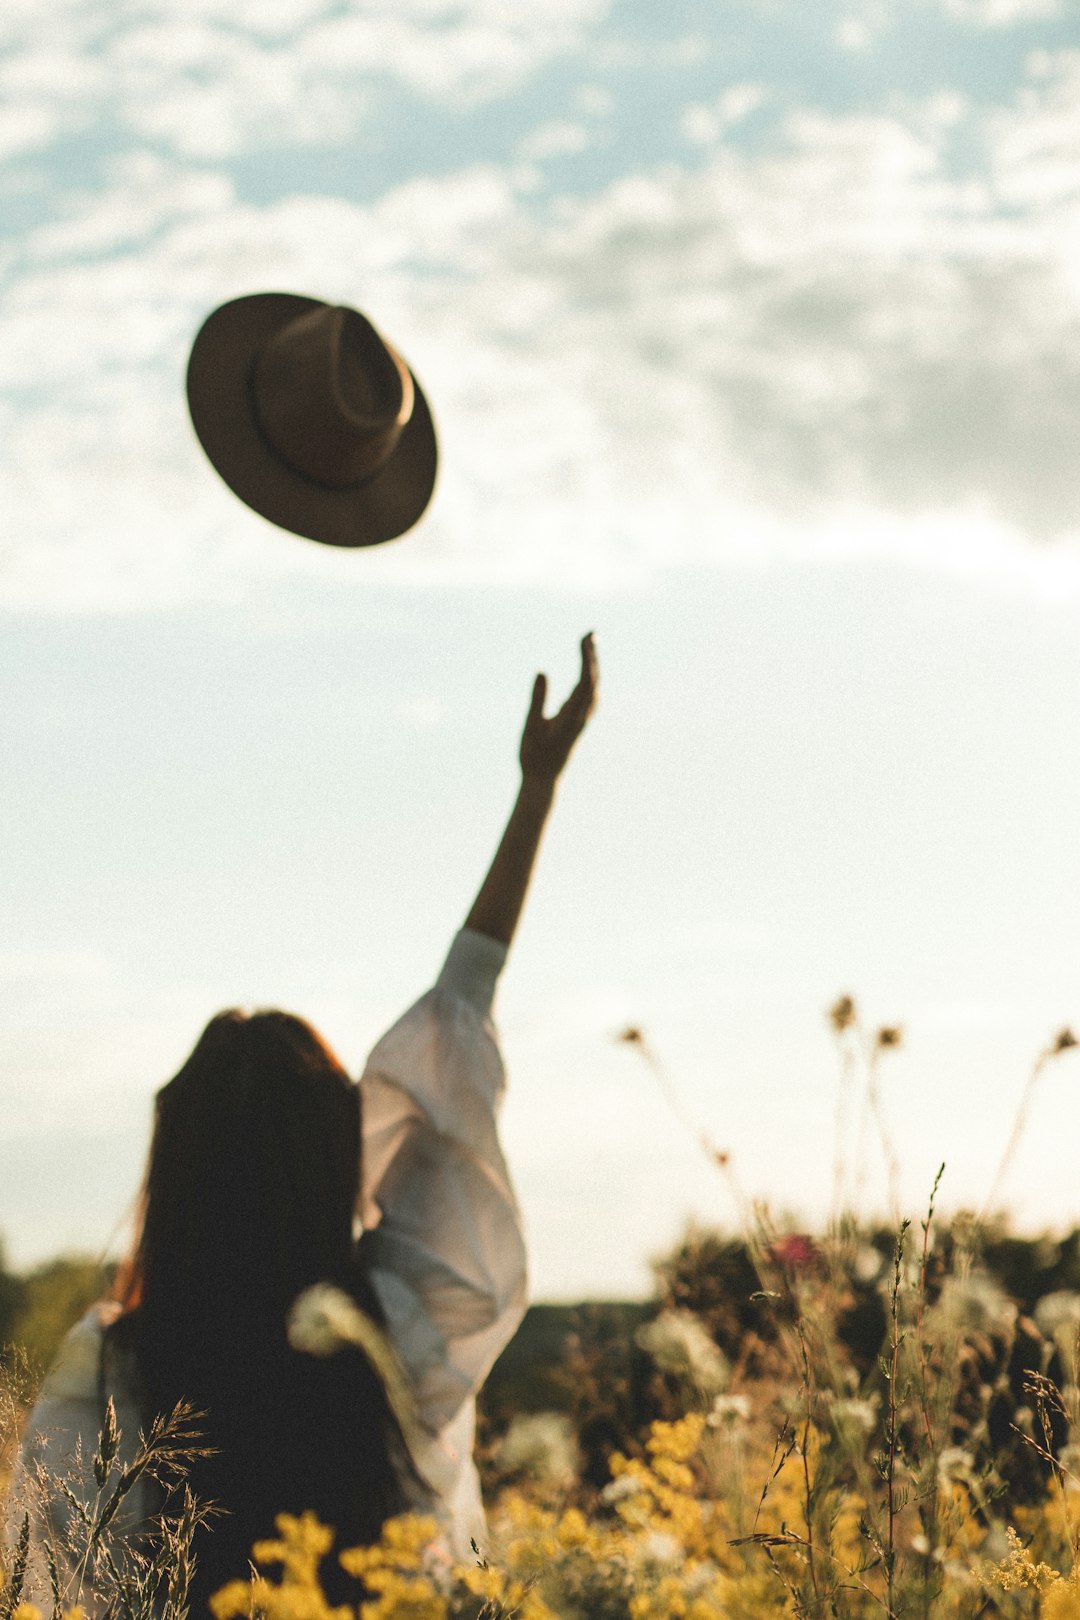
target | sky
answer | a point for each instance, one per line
(752, 334)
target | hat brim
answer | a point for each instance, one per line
(223, 416)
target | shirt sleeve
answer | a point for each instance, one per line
(442, 1229)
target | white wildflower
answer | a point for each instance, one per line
(728, 1411)
(856, 1414)
(955, 1465)
(1069, 1457)
(660, 1547)
(699, 1578)
(975, 1303)
(679, 1343)
(542, 1445)
(1057, 1317)
(1060, 1309)
(868, 1264)
(618, 1490)
(322, 1320)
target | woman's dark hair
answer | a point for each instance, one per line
(249, 1199)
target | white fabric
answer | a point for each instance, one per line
(446, 1252)
(444, 1238)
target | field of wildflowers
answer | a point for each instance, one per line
(862, 1423)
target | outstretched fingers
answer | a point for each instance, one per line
(546, 742)
(537, 701)
(581, 700)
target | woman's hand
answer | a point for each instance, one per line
(546, 743)
(545, 748)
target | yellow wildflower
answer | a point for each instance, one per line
(1019, 1569)
(402, 1545)
(678, 1441)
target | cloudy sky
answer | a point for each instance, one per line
(752, 331)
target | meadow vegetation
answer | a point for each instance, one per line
(864, 1422)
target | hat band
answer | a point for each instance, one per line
(302, 413)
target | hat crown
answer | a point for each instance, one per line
(312, 418)
(331, 396)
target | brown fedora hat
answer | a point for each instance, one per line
(312, 418)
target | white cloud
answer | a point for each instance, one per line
(861, 25)
(144, 193)
(594, 101)
(560, 138)
(1035, 144)
(1000, 13)
(212, 79)
(464, 54)
(27, 126)
(209, 92)
(704, 124)
(271, 18)
(50, 83)
(826, 345)
(855, 34)
(617, 50)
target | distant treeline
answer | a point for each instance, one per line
(38, 1306)
(707, 1272)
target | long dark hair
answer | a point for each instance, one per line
(249, 1199)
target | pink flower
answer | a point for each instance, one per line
(796, 1252)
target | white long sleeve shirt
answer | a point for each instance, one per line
(445, 1248)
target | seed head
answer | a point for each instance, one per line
(323, 1320)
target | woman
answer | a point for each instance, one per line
(251, 1190)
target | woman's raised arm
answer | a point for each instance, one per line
(545, 748)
